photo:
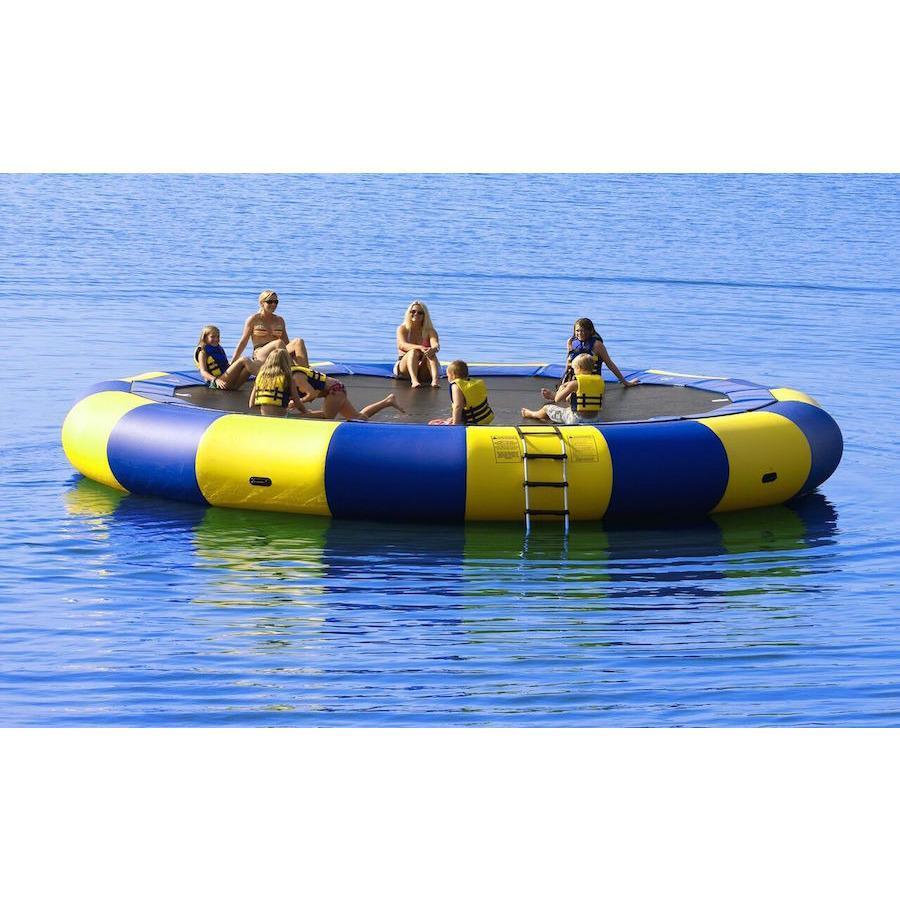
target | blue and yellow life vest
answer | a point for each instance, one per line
(316, 379)
(476, 410)
(277, 395)
(216, 359)
(579, 347)
(589, 397)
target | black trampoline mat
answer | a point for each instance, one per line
(507, 395)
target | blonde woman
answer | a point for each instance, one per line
(268, 332)
(212, 361)
(417, 347)
(274, 388)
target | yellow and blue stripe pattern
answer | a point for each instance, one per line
(763, 448)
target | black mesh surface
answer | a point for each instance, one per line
(507, 395)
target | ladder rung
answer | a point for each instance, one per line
(547, 512)
(546, 456)
(556, 484)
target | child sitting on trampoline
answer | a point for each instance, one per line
(212, 361)
(468, 396)
(585, 394)
(313, 384)
(274, 388)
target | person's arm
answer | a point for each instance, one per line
(304, 389)
(284, 334)
(600, 350)
(568, 351)
(298, 400)
(252, 395)
(204, 371)
(248, 325)
(457, 417)
(403, 345)
(564, 390)
(434, 345)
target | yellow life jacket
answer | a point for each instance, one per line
(476, 410)
(316, 379)
(276, 395)
(589, 396)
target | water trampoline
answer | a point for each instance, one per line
(675, 446)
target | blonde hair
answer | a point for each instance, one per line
(458, 369)
(427, 325)
(583, 363)
(267, 295)
(207, 329)
(275, 372)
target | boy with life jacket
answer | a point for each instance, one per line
(584, 393)
(212, 361)
(468, 397)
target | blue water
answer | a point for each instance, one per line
(121, 610)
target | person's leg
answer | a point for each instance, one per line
(535, 413)
(236, 374)
(409, 366)
(434, 367)
(297, 349)
(260, 353)
(373, 408)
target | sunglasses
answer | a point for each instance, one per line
(416, 312)
(271, 302)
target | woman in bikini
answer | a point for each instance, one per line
(417, 347)
(268, 332)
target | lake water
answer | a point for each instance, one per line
(120, 610)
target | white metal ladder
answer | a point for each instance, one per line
(562, 484)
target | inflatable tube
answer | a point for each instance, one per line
(750, 446)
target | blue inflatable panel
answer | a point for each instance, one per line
(106, 386)
(822, 434)
(658, 469)
(152, 450)
(396, 472)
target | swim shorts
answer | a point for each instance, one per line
(564, 416)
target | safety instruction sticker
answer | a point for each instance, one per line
(507, 450)
(584, 449)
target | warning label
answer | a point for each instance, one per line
(506, 450)
(584, 449)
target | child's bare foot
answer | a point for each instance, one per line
(435, 384)
(546, 394)
(392, 401)
(416, 384)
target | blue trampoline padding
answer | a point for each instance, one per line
(822, 434)
(116, 385)
(153, 450)
(396, 472)
(658, 469)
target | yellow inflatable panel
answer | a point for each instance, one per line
(768, 458)
(147, 376)
(290, 454)
(86, 431)
(791, 394)
(495, 477)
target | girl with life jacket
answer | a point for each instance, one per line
(212, 361)
(584, 393)
(468, 397)
(274, 387)
(586, 340)
(268, 333)
(417, 347)
(312, 385)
